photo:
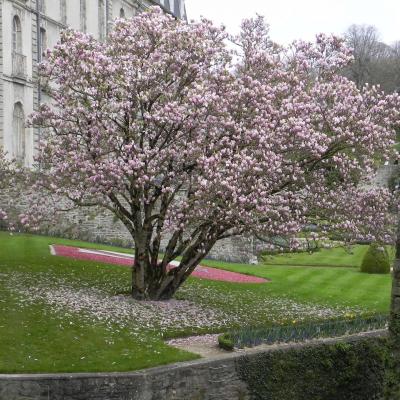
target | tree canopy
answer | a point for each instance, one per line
(188, 142)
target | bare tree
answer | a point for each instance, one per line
(375, 62)
(396, 65)
(364, 40)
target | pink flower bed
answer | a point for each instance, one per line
(215, 274)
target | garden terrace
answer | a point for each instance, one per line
(65, 315)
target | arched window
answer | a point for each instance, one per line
(122, 13)
(83, 15)
(43, 40)
(16, 35)
(63, 11)
(102, 20)
(19, 139)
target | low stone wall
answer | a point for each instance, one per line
(235, 376)
(384, 175)
(191, 380)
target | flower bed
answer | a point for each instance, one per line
(248, 337)
(122, 259)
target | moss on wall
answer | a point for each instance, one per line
(340, 371)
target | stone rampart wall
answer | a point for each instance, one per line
(102, 227)
(223, 378)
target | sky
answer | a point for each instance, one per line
(303, 19)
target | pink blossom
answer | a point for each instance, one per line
(186, 140)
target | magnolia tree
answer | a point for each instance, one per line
(14, 180)
(187, 142)
(5, 178)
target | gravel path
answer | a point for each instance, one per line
(204, 345)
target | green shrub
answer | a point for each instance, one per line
(225, 341)
(376, 260)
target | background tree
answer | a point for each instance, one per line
(188, 145)
(395, 66)
(374, 62)
(364, 40)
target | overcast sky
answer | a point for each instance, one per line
(302, 19)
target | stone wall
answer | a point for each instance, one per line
(383, 175)
(213, 379)
(101, 226)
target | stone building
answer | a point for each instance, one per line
(27, 28)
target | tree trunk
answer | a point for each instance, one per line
(149, 283)
(152, 279)
(139, 291)
(392, 388)
(152, 282)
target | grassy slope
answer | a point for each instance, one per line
(35, 339)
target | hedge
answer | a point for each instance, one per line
(339, 371)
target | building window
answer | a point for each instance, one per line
(16, 35)
(166, 5)
(19, 139)
(42, 6)
(63, 11)
(43, 40)
(177, 8)
(122, 13)
(102, 20)
(83, 15)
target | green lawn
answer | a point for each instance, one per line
(57, 314)
(335, 257)
(331, 286)
(35, 338)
